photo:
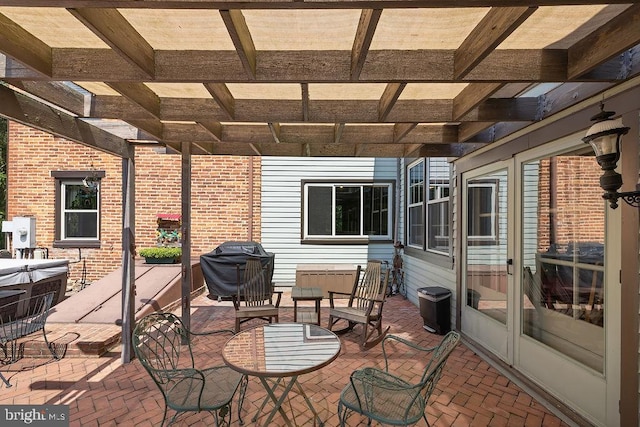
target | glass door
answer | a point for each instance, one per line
(567, 269)
(488, 263)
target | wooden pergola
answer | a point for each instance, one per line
(376, 78)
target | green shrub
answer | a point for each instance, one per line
(161, 252)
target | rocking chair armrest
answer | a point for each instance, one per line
(331, 293)
(380, 298)
(279, 297)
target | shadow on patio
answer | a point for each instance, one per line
(100, 391)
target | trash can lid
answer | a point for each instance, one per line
(434, 291)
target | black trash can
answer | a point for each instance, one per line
(435, 308)
(473, 298)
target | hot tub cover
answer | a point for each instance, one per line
(219, 265)
(18, 271)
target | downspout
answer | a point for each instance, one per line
(396, 219)
(250, 207)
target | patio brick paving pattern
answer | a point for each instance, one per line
(101, 391)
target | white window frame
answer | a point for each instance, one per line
(429, 179)
(63, 211)
(420, 204)
(492, 237)
(440, 200)
(362, 234)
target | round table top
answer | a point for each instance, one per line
(281, 349)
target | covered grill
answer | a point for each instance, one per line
(219, 266)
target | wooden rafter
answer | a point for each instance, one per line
(213, 127)
(111, 27)
(494, 28)
(304, 87)
(24, 47)
(284, 4)
(366, 28)
(139, 94)
(389, 97)
(471, 97)
(239, 33)
(367, 90)
(220, 92)
(400, 130)
(619, 34)
(275, 132)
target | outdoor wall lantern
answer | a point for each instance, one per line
(604, 137)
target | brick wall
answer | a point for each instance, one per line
(220, 195)
(579, 212)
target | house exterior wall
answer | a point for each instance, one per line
(420, 272)
(220, 196)
(282, 211)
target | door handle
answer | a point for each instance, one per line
(509, 264)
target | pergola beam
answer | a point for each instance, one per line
(30, 112)
(22, 46)
(113, 29)
(284, 4)
(616, 36)
(501, 65)
(494, 28)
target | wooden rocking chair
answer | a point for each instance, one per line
(365, 304)
(255, 295)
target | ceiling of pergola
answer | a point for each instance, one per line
(306, 78)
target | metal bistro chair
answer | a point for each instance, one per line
(388, 398)
(21, 318)
(162, 344)
(365, 304)
(254, 298)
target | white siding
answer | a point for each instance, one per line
(530, 201)
(282, 209)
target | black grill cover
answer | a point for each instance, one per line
(219, 265)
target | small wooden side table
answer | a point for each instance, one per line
(306, 314)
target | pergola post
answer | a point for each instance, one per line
(128, 254)
(186, 234)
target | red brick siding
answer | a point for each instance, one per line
(220, 195)
(580, 209)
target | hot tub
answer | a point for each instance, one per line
(35, 276)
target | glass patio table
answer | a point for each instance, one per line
(281, 351)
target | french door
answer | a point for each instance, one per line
(541, 256)
(487, 313)
(568, 327)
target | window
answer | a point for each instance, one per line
(482, 214)
(415, 205)
(78, 210)
(438, 205)
(347, 210)
(428, 205)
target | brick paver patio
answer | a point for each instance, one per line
(100, 391)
